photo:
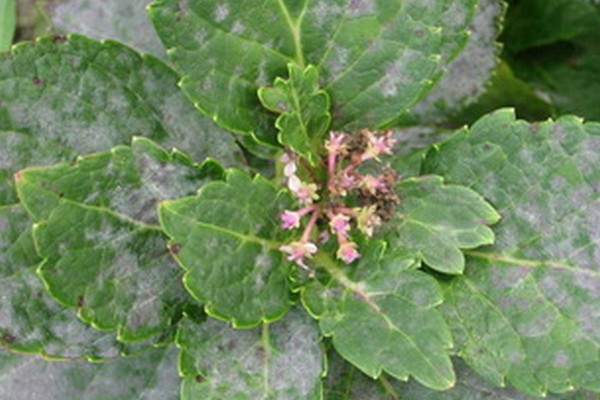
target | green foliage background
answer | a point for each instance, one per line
(521, 316)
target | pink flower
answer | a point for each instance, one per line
(299, 251)
(289, 165)
(290, 219)
(347, 252)
(339, 223)
(290, 169)
(372, 184)
(307, 193)
(335, 142)
(294, 183)
(377, 145)
(367, 219)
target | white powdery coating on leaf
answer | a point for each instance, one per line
(466, 76)
(235, 361)
(221, 12)
(158, 181)
(9, 155)
(126, 21)
(360, 8)
(298, 366)
(395, 74)
(191, 132)
(238, 28)
(324, 11)
(338, 61)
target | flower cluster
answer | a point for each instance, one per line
(348, 198)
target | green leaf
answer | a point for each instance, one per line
(535, 23)
(68, 96)
(103, 208)
(8, 23)
(566, 73)
(471, 387)
(526, 308)
(227, 239)
(382, 317)
(304, 110)
(282, 360)
(344, 382)
(125, 21)
(435, 221)
(375, 58)
(30, 321)
(466, 76)
(151, 375)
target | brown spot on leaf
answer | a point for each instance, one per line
(534, 128)
(199, 378)
(8, 338)
(231, 345)
(174, 248)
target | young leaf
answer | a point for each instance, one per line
(62, 97)
(435, 221)
(282, 360)
(526, 309)
(150, 375)
(395, 304)
(304, 110)
(96, 232)
(376, 58)
(226, 238)
(125, 21)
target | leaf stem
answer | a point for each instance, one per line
(506, 259)
(325, 261)
(295, 30)
(389, 389)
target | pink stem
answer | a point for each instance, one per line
(306, 210)
(342, 238)
(331, 163)
(309, 226)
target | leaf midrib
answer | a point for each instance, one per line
(294, 27)
(238, 235)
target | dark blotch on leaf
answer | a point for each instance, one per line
(80, 301)
(533, 128)
(59, 38)
(8, 338)
(199, 378)
(174, 248)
